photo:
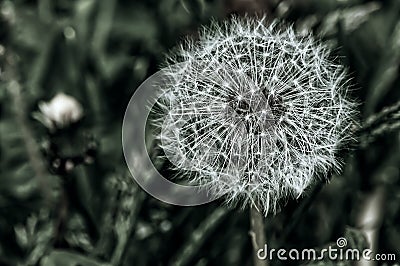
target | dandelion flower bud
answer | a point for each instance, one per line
(60, 112)
(256, 111)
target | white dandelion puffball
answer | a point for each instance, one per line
(61, 111)
(255, 111)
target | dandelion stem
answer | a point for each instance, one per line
(257, 234)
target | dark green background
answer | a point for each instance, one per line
(99, 52)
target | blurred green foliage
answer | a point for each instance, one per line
(99, 52)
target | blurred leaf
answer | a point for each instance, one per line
(66, 258)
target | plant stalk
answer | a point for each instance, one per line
(257, 234)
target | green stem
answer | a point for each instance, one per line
(257, 234)
(379, 118)
(198, 237)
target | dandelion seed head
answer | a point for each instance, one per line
(256, 111)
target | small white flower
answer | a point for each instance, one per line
(256, 111)
(60, 112)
